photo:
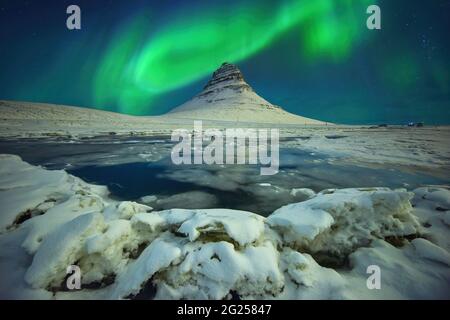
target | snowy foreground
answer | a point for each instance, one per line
(316, 249)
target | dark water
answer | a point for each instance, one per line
(133, 167)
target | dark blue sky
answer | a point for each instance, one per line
(395, 75)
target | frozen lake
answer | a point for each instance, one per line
(133, 167)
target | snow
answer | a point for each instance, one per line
(150, 220)
(187, 200)
(117, 230)
(405, 274)
(307, 193)
(336, 222)
(125, 210)
(156, 256)
(149, 199)
(23, 188)
(34, 119)
(123, 247)
(306, 279)
(21, 191)
(243, 227)
(427, 250)
(435, 221)
(61, 248)
(425, 147)
(244, 107)
(228, 96)
(27, 119)
(438, 196)
(223, 98)
(300, 223)
(218, 268)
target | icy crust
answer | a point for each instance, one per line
(60, 249)
(336, 222)
(27, 190)
(431, 206)
(215, 245)
(126, 250)
(242, 227)
(417, 271)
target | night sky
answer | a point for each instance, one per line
(315, 58)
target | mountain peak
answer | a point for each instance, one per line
(227, 76)
(227, 96)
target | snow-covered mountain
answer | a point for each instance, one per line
(227, 97)
(226, 101)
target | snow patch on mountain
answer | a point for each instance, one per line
(227, 97)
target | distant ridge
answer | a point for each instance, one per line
(22, 110)
(226, 101)
(227, 97)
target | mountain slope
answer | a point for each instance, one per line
(20, 110)
(227, 97)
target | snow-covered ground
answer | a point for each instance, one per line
(28, 119)
(316, 249)
(396, 145)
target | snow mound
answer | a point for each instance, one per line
(126, 250)
(429, 207)
(336, 222)
(27, 191)
(404, 271)
(242, 227)
(61, 249)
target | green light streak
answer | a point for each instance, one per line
(138, 67)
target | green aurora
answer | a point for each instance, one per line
(138, 67)
(315, 58)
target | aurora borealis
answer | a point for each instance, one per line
(314, 58)
(181, 52)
